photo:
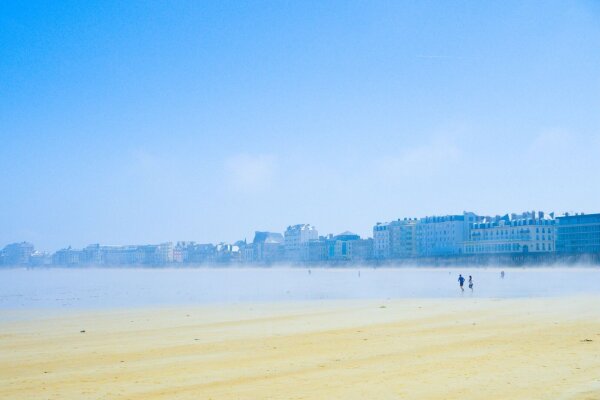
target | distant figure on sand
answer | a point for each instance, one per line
(471, 283)
(502, 274)
(461, 282)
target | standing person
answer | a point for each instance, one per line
(471, 283)
(502, 274)
(461, 282)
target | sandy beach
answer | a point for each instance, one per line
(541, 348)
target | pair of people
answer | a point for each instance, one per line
(461, 282)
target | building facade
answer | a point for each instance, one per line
(68, 257)
(317, 250)
(296, 238)
(444, 236)
(381, 241)
(95, 254)
(403, 238)
(524, 233)
(40, 258)
(17, 253)
(360, 250)
(339, 246)
(578, 234)
(267, 247)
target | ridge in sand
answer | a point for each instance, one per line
(401, 349)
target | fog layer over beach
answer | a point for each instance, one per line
(122, 288)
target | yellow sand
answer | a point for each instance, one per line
(406, 349)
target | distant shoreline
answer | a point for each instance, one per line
(533, 260)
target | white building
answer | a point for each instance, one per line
(444, 236)
(525, 233)
(17, 253)
(296, 240)
(381, 241)
(164, 253)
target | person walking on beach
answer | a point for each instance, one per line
(502, 274)
(471, 283)
(461, 282)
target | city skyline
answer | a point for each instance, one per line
(322, 233)
(123, 123)
(516, 235)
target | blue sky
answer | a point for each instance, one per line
(125, 122)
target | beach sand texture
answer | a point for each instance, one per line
(394, 349)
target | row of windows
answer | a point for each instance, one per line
(507, 247)
(491, 225)
(583, 219)
(511, 231)
(578, 249)
(521, 238)
(578, 240)
(577, 229)
(477, 238)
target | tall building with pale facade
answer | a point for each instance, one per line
(381, 241)
(444, 236)
(297, 238)
(403, 238)
(17, 253)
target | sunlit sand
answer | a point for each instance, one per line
(402, 349)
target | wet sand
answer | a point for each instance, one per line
(401, 349)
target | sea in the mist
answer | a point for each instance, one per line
(83, 288)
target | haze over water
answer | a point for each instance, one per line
(121, 288)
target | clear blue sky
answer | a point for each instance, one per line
(125, 122)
